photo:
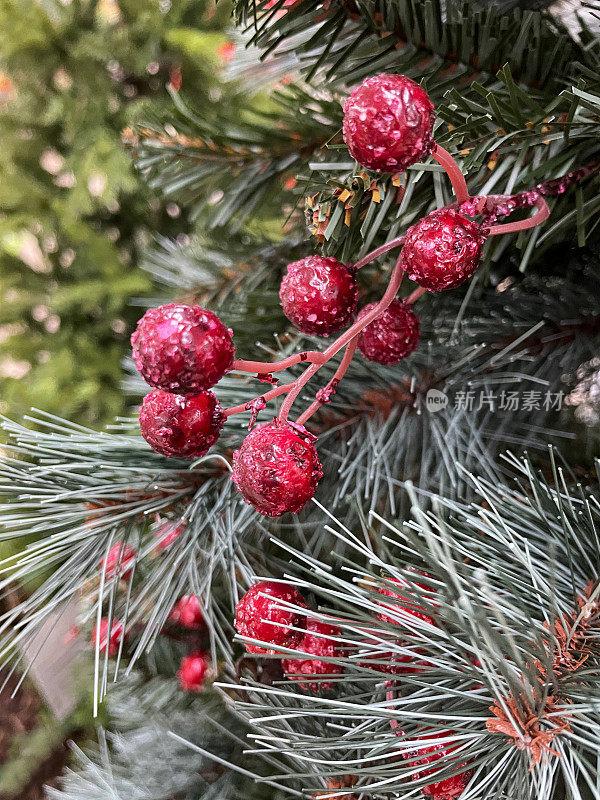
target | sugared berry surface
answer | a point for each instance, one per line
(388, 123)
(277, 468)
(182, 349)
(262, 614)
(442, 250)
(319, 295)
(183, 427)
(318, 644)
(391, 336)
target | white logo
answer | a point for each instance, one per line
(435, 400)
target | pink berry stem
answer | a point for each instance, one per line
(332, 385)
(457, 179)
(266, 397)
(379, 251)
(346, 337)
(557, 186)
(265, 367)
(414, 296)
(542, 214)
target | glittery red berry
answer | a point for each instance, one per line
(277, 468)
(193, 672)
(188, 613)
(182, 427)
(182, 349)
(119, 561)
(113, 640)
(392, 336)
(448, 788)
(263, 613)
(316, 642)
(442, 250)
(404, 605)
(318, 295)
(388, 123)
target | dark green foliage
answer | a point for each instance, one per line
(516, 99)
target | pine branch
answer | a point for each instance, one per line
(239, 277)
(346, 40)
(143, 757)
(230, 167)
(504, 673)
(506, 140)
(77, 493)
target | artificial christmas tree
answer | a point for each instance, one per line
(409, 623)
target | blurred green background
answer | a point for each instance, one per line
(74, 215)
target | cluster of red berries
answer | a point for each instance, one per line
(187, 613)
(184, 351)
(271, 614)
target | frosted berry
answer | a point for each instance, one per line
(182, 349)
(193, 672)
(388, 123)
(442, 250)
(261, 614)
(404, 605)
(119, 561)
(182, 427)
(277, 468)
(188, 613)
(317, 643)
(319, 295)
(392, 336)
(105, 640)
(448, 788)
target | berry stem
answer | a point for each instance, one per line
(265, 367)
(414, 296)
(543, 212)
(457, 179)
(345, 338)
(332, 385)
(379, 251)
(266, 397)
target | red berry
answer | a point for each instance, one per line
(442, 250)
(318, 295)
(119, 561)
(390, 337)
(448, 788)
(182, 349)
(261, 614)
(193, 672)
(168, 533)
(188, 613)
(113, 641)
(315, 642)
(182, 427)
(405, 605)
(388, 123)
(277, 468)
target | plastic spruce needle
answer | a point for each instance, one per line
(182, 351)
